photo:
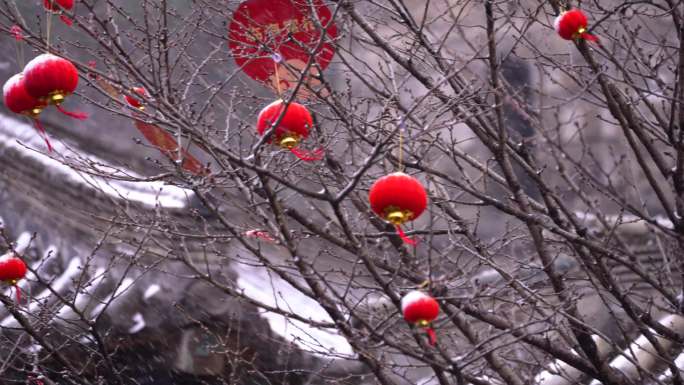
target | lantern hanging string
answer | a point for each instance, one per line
(47, 32)
(401, 145)
(18, 37)
(276, 60)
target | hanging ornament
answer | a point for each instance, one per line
(51, 79)
(398, 198)
(260, 28)
(12, 269)
(160, 138)
(168, 145)
(16, 33)
(136, 100)
(19, 101)
(572, 25)
(59, 6)
(292, 129)
(421, 309)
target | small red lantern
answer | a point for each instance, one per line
(58, 6)
(19, 101)
(420, 309)
(12, 269)
(51, 79)
(398, 198)
(136, 101)
(292, 129)
(572, 24)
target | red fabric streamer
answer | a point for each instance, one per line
(259, 234)
(307, 156)
(35, 380)
(168, 145)
(16, 33)
(75, 114)
(405, 238)
(432, 336)
(43, 134)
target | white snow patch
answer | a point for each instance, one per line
(557, 20)
(679, 363)
(148, 193)
(20, 246)
(281, 294)
(411, 297)
(151, 291)
(139, 323)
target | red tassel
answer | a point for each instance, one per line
(66, 20)
(42, 133)
(431, 335)
(18, 293)
(307, 156)
(75, 114)
(589, 37)
(406, 239)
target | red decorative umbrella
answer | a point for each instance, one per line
(398, 198)
(421, 309)
(261, 28)
(292, 129)
(572, 25)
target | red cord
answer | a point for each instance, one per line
(405, 238)
(307, 156)
(431, 335)
(589, 37)
(42, 133)
(18, 293)
(75, 114)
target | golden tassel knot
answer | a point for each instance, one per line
(423, 323)
(289, 141)
(34, 112)
(56, 97)
(397, 216)
(579, 33)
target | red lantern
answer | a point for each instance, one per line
(19, 101)
(57, 6)
(292, 129)
(420, 309)
(571, 25)
(398, 198)
(137, 100)
(12, 269)
(51, 79)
